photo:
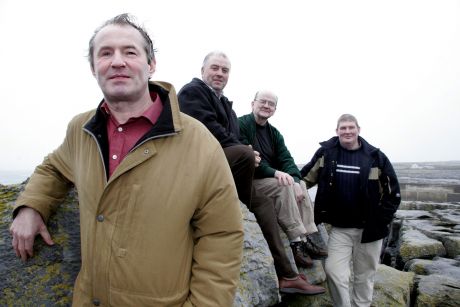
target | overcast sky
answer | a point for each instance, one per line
(395, 65)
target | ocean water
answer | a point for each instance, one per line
(13, 177)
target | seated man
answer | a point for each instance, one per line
(279, 197)
(205, 101)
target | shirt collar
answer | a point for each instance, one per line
(151, 113)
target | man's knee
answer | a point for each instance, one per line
(240, 154)
(246, 153)
(335, 272)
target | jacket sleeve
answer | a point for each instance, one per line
(390, 194)
(218, 237)
(48, 185)
(195, 101)
(310, 171)
(245, 131)
(285, 161)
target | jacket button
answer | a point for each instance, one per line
(100, 218)
(96, 302)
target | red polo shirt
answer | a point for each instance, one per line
(122, 137)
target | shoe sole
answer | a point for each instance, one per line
(298, 291)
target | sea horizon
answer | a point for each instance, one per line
(8, 177)
(14, 176)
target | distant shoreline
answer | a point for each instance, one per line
(14, 177)
(407, 171)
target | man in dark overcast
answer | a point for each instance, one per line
(204, 100)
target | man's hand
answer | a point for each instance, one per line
(299, 196)
(256, 157)
(27, 224)
(284, 178)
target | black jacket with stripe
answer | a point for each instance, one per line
(379, 192)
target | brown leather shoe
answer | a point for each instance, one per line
(313, 250)
(299, 285)
(302, 259)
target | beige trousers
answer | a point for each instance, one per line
(296, 219)
(345, 247)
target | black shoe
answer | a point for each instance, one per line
(300, 256)
(312, 249)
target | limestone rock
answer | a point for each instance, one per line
(47, 278)
(258, 281)
(426, 206)
(413, 214)
(452, 245)
(414, 244)
(438, 291)
(439, 265)
(392, 287)
(430, 230)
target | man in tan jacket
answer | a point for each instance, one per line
(159, 212)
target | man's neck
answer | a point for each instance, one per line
(124, 110)
(353, 146)
(218, 93)
(260, 121)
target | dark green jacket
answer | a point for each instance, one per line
(284, 161)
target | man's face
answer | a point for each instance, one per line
(348, 132)
(264, 106)
(120, 63)
(215, 72)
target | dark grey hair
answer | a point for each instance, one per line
(124, 20)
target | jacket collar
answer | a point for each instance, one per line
(334, 143)
(168, 123)
(222, 97)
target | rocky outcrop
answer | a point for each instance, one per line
(47, 278)
(258, 281)
(437, 282)
(392, 287)
(438, 290)
(424, 231)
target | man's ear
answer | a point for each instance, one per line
(92, 70)
(152, 67)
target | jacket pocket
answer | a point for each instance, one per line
(127, 220)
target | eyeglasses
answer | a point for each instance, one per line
(263, 102)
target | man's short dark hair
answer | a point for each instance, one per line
(124, 20)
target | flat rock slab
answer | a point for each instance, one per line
(392, 287)
(438, 290)
(440, 266)
(414, 244)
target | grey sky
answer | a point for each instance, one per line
(395, 65)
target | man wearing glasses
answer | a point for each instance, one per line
(280, 198)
